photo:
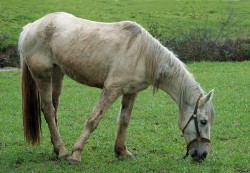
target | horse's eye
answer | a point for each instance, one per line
(204, 122)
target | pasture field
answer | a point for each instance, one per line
(172, 14)
(153, 134)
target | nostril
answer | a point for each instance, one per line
(204, 154)
(194, 154)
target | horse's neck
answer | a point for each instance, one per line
(179, 89)
(179, 83)
(168, 73)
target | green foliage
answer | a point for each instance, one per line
(153, 134)
(205, 43)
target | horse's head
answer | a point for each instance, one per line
(195, 122)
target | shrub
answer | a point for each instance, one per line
(204, 43)
(8, 54)
(9, 57)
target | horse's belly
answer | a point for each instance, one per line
(94, 77)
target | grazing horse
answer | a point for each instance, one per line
(120, 58)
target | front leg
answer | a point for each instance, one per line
(107, 98)
(125, 114)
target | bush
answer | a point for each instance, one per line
(9, 57)
(204, 43)
(8, 54)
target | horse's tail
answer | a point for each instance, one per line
(31, 107)
(30, 102)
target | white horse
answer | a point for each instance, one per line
(121, 58)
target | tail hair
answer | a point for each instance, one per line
(31, 107)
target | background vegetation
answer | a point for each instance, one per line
(195, 29)
(153, 137)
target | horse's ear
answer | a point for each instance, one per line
(206, 98)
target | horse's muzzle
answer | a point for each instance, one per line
(198, 156)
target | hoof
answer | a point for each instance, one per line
(127, 156)
(73, 161)
(63, 156)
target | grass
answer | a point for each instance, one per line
(153, 137)
(172, 14)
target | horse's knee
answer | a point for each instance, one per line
(123, 121)
(91, 125)
(93, 122)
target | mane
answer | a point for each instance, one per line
(164, 64)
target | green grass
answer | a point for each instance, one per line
(172, 14)
(153, 137)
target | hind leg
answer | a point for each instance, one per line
(42, 74)
(57, 84)
(125, 114)
(45, 88)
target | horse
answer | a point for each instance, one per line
(120, 58)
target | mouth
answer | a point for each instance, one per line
(196, 156)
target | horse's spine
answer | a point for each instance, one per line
(31, 107)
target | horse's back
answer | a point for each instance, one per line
(85, 50)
